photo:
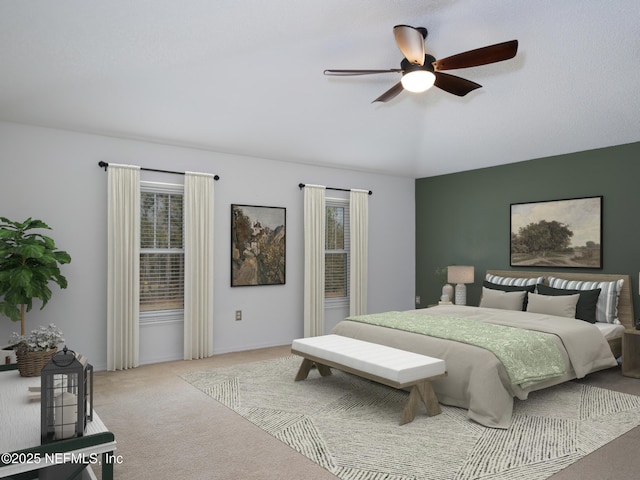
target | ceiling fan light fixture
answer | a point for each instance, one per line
(418, 81)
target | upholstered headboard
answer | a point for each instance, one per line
(625, 301)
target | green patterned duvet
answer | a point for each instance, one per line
(527, 356)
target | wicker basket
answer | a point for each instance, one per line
(30, 363)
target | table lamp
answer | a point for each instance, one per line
(460, 274)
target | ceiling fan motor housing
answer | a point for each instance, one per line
(407, 66)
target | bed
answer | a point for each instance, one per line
(477, 379)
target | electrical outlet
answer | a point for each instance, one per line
(417, 299)
(238, 315)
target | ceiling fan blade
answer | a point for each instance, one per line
(456, 85)
(479, 56)
(390, 94)
(410, 42)
(346, 73)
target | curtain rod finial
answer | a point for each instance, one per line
(103, 165)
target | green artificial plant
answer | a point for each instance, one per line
(29, 261)
(441, 273)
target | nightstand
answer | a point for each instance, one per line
(631, 353)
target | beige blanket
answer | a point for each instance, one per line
(476, 379)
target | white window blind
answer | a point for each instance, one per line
(336, 290)
(161, 251)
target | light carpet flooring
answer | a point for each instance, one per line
(167, 429)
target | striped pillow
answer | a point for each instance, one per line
(514, 282)
(607, 305)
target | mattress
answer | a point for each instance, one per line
(610, 330)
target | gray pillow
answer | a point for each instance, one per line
(586, 307)
(500, 299)
(607, 305)
(513, 281)
(560, 306)
(511, 288)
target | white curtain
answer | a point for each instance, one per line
(314, 232)
(123, 266)
(359, 229)
(198, 268)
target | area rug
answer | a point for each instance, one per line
(349, 425)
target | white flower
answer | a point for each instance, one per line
(41, 339)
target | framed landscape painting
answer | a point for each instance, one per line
(557, 233)
(258, 245)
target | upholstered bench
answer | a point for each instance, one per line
(389, 366)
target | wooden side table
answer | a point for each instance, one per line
(631, 353)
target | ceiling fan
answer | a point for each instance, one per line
(420, 71)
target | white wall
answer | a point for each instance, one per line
(53, 175)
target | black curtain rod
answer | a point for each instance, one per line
(105, 165)
(302, 185)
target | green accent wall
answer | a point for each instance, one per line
(464, 218)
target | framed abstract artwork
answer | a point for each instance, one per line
(557, 233)
(258, 245)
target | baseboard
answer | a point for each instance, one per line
(162, 359)
(245, 348)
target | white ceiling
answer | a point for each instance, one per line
(245, 77)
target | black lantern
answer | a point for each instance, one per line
(66, 395)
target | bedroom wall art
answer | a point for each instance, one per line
(557, 233)
(258, 245)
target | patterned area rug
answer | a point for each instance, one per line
(349, 425)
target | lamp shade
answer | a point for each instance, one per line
(460, 274)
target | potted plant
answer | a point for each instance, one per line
(36, 349)
(29, 262)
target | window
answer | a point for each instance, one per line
(161, 252)
(336, 257)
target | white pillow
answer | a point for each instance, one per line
(560, 306)
(607, 306)
(503, 300)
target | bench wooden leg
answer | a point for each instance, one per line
(305, 368)
(324, 370)
(420, 392)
